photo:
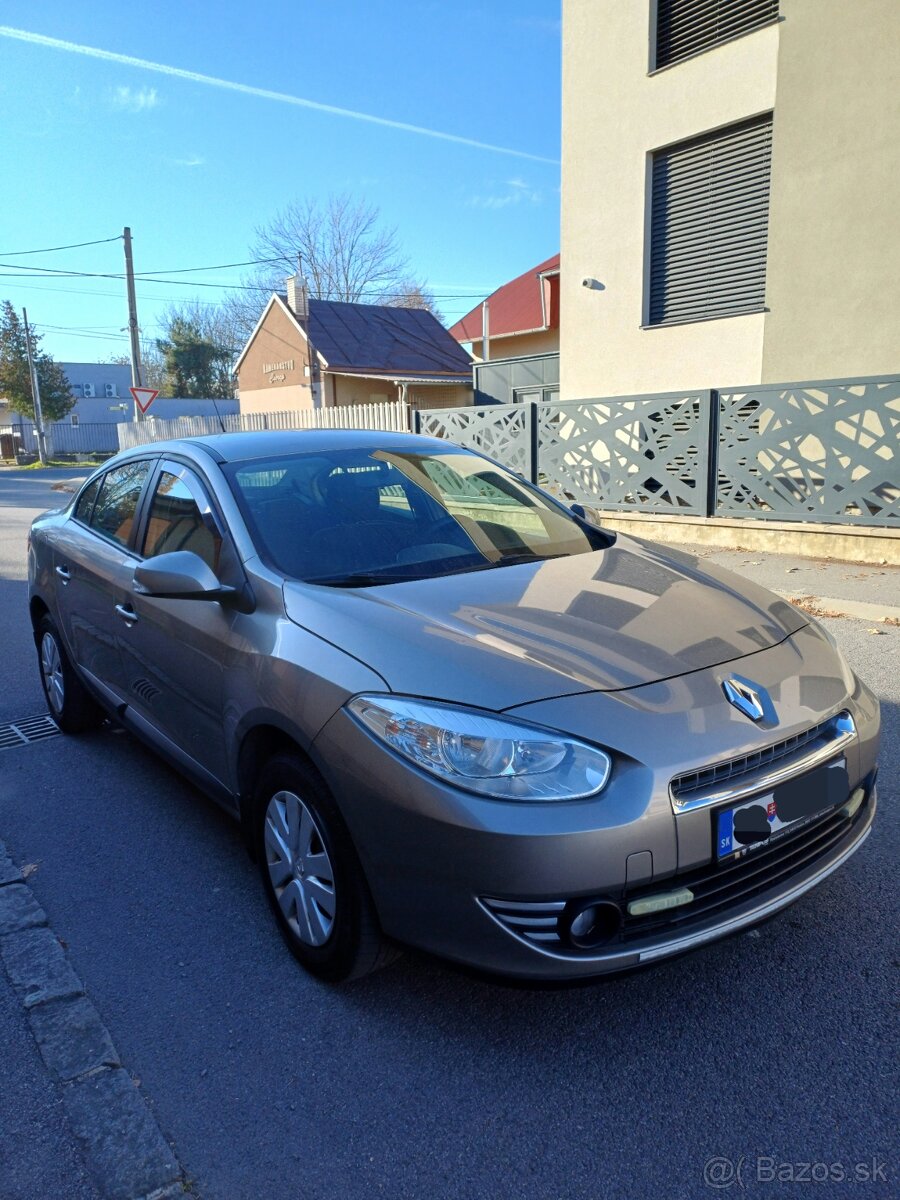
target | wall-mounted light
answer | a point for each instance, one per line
(594, 284)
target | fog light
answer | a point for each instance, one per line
(593, 924)
(851, 808)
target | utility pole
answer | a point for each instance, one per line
(35, 394)
(133, 331)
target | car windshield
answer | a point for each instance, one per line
(357, 518)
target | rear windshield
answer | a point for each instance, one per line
(359, 518)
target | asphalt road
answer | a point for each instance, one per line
(775, 1049)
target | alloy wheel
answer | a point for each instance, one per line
(299, 868)
(51, 669)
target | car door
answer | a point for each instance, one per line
(176, 649)
(94, 565)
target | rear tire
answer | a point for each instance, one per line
(312, 875)
(71, 706)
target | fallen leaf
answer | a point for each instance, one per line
(811, 604)
(29, 869)
(879, 632)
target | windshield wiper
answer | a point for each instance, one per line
(511, 560)
(373, 579)
(361, 580)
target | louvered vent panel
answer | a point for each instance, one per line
(688, 27)
(709, 224)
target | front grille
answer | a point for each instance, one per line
(689, 784)
(721, 886)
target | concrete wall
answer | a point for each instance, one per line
(834, 226)
(287, 388)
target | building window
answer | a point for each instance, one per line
(73, 419)
(688, 27)
(709, 216)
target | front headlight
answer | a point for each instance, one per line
(493, 756)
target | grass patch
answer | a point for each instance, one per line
(56, 462)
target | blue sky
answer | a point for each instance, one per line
(89, 145)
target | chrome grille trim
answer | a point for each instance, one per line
(763, 769)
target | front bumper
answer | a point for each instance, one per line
(460, 876)
(726, 900)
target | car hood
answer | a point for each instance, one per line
(612, 619)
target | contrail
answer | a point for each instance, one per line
(143, 64)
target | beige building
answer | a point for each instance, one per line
(730, 193)
(325, 354)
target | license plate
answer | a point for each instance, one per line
(787, 808)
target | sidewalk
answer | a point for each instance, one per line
(823, 587)
(39, 1156)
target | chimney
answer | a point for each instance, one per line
(298, 298)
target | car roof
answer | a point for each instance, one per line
(239, 447)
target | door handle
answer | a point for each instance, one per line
(63, 573)
(127, 613)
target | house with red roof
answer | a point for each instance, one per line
(523, 316)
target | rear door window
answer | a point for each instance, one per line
(116, 505)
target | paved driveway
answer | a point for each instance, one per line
(424, 1081)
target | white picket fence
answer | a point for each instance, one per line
(391, 417)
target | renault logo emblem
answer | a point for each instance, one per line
(748, 697)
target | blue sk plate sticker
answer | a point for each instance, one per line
(768, 817)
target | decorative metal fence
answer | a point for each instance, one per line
(393, 417)
(811, 451)
(504, 431)
(825, 451)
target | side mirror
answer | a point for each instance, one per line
(181, 575)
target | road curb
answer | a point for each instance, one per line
(122, 1144)
(831, 606)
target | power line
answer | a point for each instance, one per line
(146, 277)
(52, 249)
(61, 273)
(253, 262)
(105, 337)
(231, 287)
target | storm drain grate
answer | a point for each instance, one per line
(26, 731)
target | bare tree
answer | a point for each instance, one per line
(415, 295)
(346, 254)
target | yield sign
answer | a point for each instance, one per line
(144, 397)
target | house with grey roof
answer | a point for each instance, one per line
(308, 353)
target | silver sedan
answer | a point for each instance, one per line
(447, 710)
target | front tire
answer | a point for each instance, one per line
(71, 706)
(312, 875)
